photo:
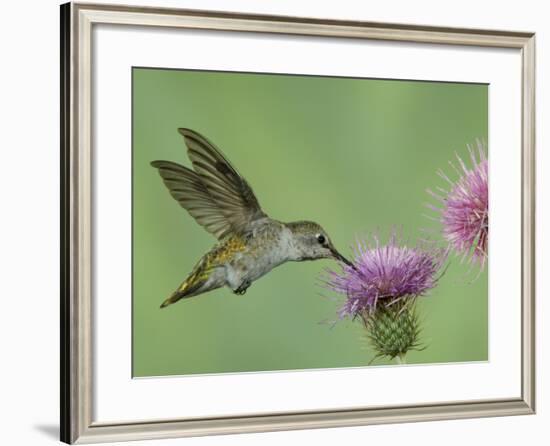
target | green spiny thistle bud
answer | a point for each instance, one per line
(393, 329)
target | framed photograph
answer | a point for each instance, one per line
(276, 223)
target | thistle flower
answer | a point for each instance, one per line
(382, 288)
(464, 211)
(385, 274)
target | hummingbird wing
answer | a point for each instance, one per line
(214, 194)
(229, 190)
(188, 190)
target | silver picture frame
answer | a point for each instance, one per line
(77, 389)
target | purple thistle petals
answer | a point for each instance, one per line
(385, 273)
(464, 211)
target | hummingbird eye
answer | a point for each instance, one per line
(321, 238)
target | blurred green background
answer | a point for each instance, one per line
(355, 155)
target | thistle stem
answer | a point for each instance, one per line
(401, 359)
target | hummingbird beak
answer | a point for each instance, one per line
(341, 258)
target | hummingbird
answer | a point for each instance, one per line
(250, 243)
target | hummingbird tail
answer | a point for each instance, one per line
(189, 288)
(199, 281)
(176, 295)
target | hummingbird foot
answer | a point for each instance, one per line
(242, 288)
